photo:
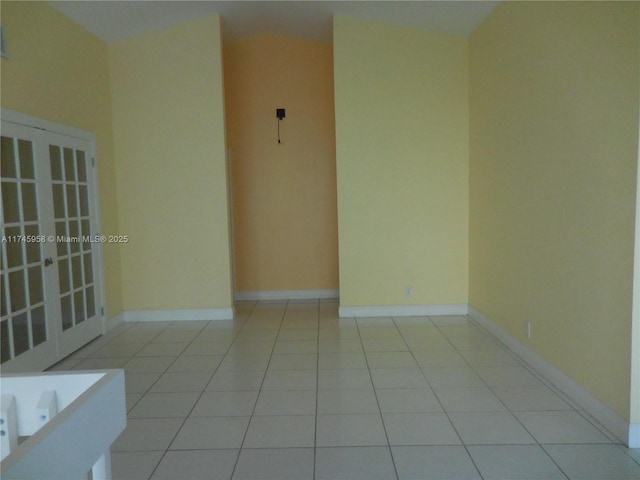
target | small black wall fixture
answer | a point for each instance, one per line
(280, 113)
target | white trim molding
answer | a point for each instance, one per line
(26, 120)
(401, 310)
(609, 419)
(178, 315)
(113, 322)
(634, 435)
(634, 395)
(286, 294)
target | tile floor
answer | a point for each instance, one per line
(288, 390)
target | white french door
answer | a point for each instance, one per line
(50, 265)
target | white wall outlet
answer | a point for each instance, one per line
(408, 290)
(527, 329)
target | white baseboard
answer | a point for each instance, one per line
(286, 294)
(178, 315)
(634, 435)
(609, 419)
(113, 322)
(401, 310)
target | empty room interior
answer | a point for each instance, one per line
(327, 240)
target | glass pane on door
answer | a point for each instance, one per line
(23, 322)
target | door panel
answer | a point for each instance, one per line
(75, 227)
(50, 269)
(26, 333)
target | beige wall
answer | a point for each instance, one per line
(168, 117)
(402, 164)
(58, 71)
(284, 196)
(553, 155)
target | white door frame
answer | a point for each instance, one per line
(634, 400)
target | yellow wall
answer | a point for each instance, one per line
(553, 154)
(58, 71)
(401, 99)
(284, 196)
(168, 117)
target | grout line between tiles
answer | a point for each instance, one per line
(576, 408)
(194, 404)
(508, 409)
(244, 437)
(466, 449)
(315, 430)
(384, 426)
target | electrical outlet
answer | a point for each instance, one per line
(408, 290)
(527, 329)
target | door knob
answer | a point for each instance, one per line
(48, 261)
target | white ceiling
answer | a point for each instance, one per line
(116, 20)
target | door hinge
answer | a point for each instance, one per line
(102, 311)
(93, 161)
